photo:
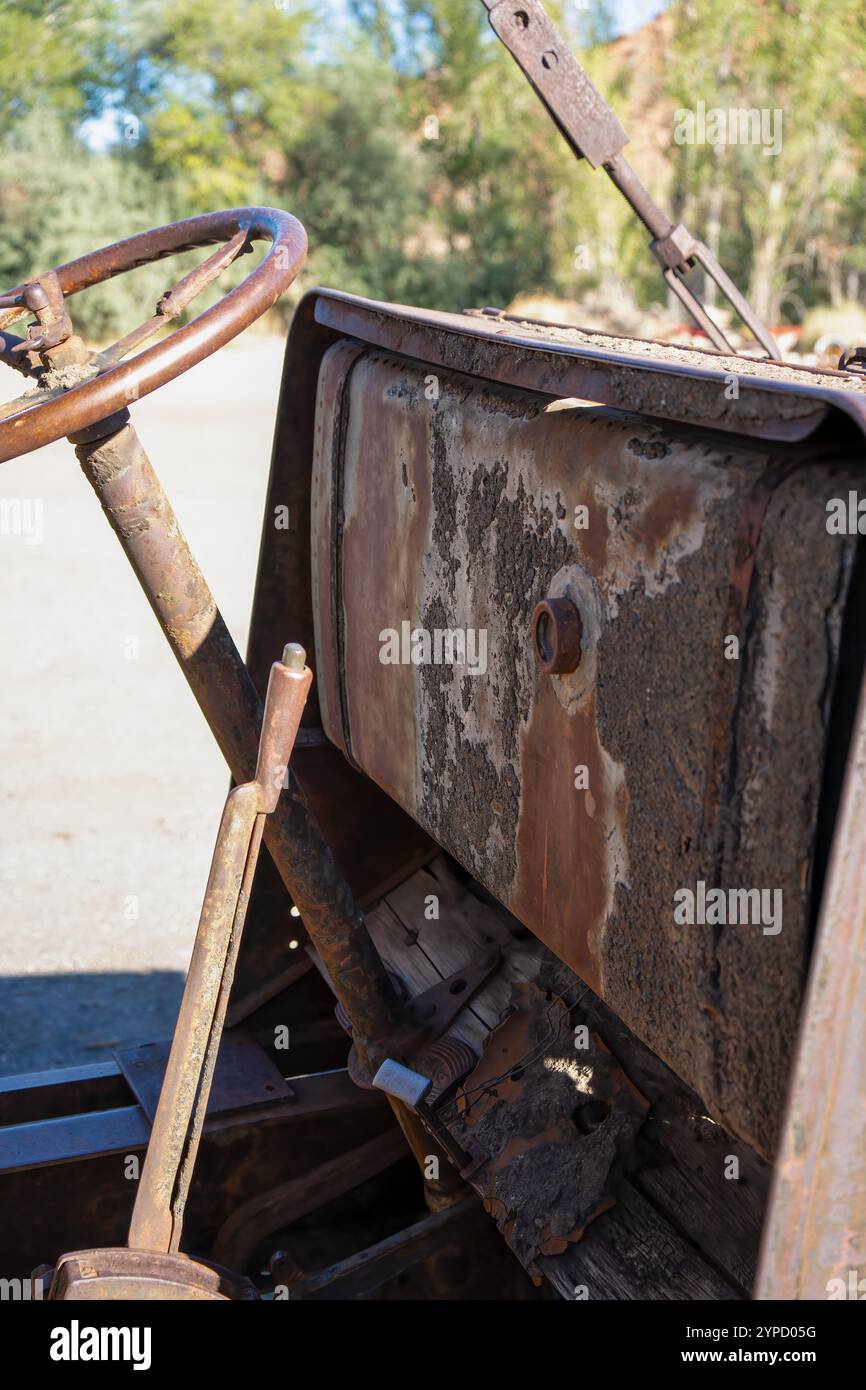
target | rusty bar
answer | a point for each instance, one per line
(816, 1227)
(361, 1275)
(142, 518)
(157, 1218)
(581, 113)
(55, 414)
(594, 133)
(176, 300)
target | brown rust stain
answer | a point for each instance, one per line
(386, 526)
(565, 828)
(546, 1178)
(486, 763)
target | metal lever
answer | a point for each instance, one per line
(157, 1217)
(594, 133)
(411, 1089)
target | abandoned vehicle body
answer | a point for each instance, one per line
(548, 770)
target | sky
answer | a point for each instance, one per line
(631, 14)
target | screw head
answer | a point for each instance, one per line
(556, 635)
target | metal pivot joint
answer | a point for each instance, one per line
(594, 134)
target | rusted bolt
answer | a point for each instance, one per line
(294, 656)
(556, 634)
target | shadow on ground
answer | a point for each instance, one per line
(69, 1020)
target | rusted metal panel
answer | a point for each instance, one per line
(815, 1238)
(585, 800)
(375, 843)
(766, 400)
(548, 1125)
(244, 1076)
(330, 417)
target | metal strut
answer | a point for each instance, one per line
(595, 134)
(157, 1218)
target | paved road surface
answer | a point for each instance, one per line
(110, 784)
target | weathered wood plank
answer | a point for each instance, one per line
(687, 1178)
(465, 929)
(395, 942)
(631, 1252)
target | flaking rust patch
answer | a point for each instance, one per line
(552, 1118)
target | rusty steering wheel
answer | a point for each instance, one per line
(75, 389)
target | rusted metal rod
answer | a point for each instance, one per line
(157, 1218)
(594, 134)
(143, 521)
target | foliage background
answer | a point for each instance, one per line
(415, 153)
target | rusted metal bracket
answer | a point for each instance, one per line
(594, 134)
(245, 1077)
(44, 298)
(427, 1016)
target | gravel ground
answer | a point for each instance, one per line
(111, 786)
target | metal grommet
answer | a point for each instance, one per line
(556, 636)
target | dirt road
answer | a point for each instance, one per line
(110, 784)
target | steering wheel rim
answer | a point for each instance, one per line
(78, 407)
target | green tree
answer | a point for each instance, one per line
(776, 216)
(52, 55)
(58, 200)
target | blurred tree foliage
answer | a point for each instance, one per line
(791, 222)
(415, 153)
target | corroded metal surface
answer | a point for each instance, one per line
(586, 800)
(107, 385)
(815, 1237)
(375, 843)
(157, 1218)
(662, 380)
(548, 1124)
(123, 1275)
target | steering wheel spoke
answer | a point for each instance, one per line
(76, 389)
(173, 303)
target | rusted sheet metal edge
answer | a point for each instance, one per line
(326, 523)
(815, 1235)
(283, 602)
(765, 408)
